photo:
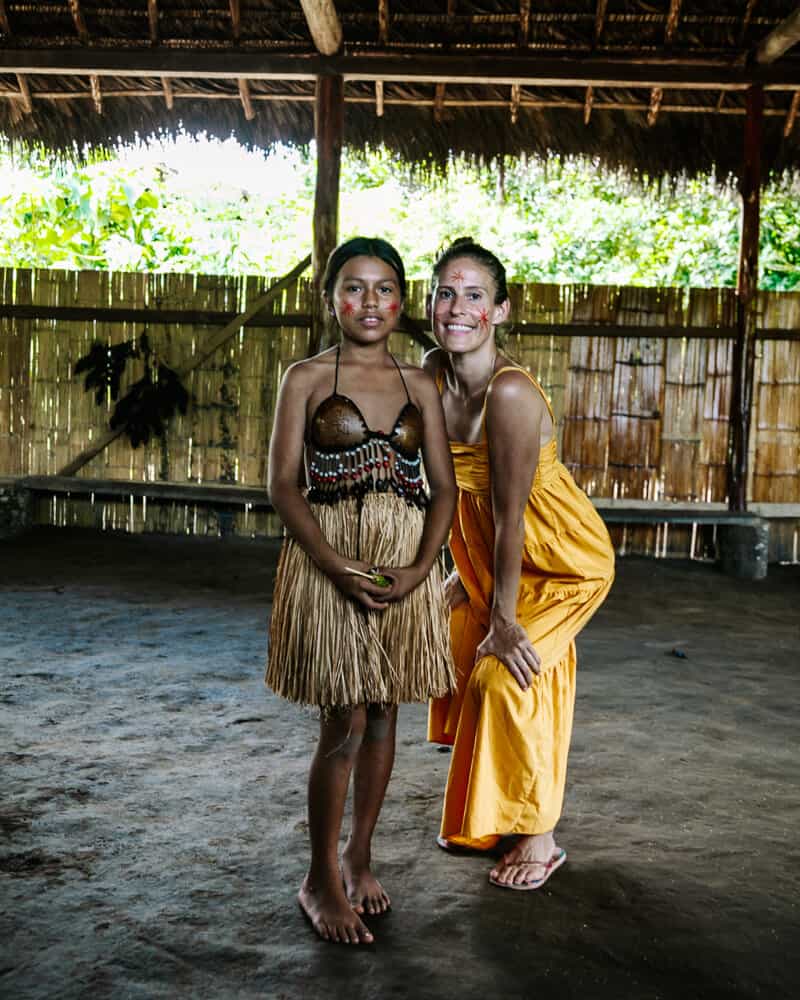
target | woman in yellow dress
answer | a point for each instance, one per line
(533, 562)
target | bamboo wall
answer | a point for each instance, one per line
(639, 417)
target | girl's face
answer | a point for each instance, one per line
(366, 299)
(463, 309)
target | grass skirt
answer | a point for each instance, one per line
(326, 649)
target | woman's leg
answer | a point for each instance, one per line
(322, 895)
(373, 768)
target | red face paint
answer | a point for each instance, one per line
(394, 307)
(458, 276)
(484, 317)
(347, 309)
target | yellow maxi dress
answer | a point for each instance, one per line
(509, 761)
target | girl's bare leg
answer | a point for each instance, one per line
(373, 768)
(322, 895)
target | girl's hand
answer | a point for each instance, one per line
(509, 642)
(454, 592)
(404, 580)
(359, 588)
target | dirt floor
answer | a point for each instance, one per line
(152, 802)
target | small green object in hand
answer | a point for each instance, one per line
(380, 580)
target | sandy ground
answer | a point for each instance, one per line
(152, 810)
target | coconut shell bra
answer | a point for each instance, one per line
(348, 459)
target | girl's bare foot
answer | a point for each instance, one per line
(330, 913)
(527, 861)
(364, 891)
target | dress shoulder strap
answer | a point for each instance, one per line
(400, 373)
(527, 374)
(336, 375)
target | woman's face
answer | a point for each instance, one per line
(366, 299)
(463, 311)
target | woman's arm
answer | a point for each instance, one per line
(442, 487)
(514, 411)
(286, 473)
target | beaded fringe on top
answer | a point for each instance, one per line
(328, 650)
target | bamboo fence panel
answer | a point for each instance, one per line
(642, 417)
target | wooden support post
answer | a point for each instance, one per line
(328, 128)
(379, 98)
(791, 117)
(25, 94)
(205, 351)
(5, 24)
(747, 289)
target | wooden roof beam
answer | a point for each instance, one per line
(588, 102)
(671, 73)
(657, 93)
(379, 98)
(324, 25)
(779, 39)
(516, 92)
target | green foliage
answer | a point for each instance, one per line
(201, 206)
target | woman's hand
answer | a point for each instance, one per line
(454, 592)
(359, 588)
(404, 580)
(509, 642)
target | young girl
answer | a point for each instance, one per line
(359, 622)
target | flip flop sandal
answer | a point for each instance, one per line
(555, 862)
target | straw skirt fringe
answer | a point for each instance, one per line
(329, 651)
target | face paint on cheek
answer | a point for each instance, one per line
(484, 317)
(394, 307)
(347, 309)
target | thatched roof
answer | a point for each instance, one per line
(656, 86)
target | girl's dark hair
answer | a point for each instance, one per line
(363, 246)
(465, 246)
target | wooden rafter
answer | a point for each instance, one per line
(746, 18)
(78, 21)
(324, 25)
(236, 18)
(515, 98)
(152, 18)
(588, 102)
(673, 73)
(780, 39)
(791, 117)
(383, 21)
(25, 93)
(379, 99)
(169, 94)
(97, 95)
(244, 96)
(524, 22)
(5, 24)
(656, 97)
(438, 102)
(657, 93)
(599, 19)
